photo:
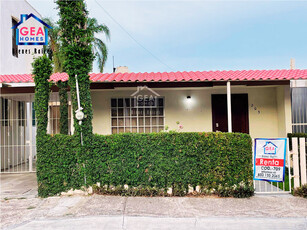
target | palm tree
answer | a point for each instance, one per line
(99, 47)
(54, 50)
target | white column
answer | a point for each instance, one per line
(229, 107)
(31, 139)
(303, 161)
(72, 127)
(49, 123)
(296, 169)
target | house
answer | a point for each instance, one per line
(257, 102)
(16, 59)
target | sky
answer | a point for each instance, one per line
(159, 36)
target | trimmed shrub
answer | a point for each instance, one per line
(241, 190)
(301, 191)
(56, 165)
(155, 160)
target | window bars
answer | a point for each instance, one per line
(132, 116)
(299, 110)
(17, 136)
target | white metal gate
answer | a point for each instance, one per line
(17, 134)
(18, 130)
(295, 174)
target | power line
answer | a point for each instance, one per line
(154, 56)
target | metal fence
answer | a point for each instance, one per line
(299, 108)
(17, 134)
(18, 130)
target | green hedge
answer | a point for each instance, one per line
(159, 160)
(56, 165)
(301, 191)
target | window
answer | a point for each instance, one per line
(141, 118)
(14, 45)
(21, 113)
(54, 118)
(299, 110)
(4, 112)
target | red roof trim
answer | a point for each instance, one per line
(197, 76)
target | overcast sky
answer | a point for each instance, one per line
(199, 35)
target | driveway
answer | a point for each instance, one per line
(116, 212)
(18, 185)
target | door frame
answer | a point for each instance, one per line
(213, 111)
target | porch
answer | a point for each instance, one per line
(260, 110)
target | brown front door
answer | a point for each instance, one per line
(239, 111)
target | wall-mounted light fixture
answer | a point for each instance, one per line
(188, 97)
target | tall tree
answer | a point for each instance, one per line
(100, 50)
(76, 44)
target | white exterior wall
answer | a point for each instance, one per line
(273, 102)
(9, 63)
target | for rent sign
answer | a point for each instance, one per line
(270, 159)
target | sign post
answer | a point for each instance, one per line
(270, 159)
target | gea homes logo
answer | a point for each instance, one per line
(145, 97)
(31, 30)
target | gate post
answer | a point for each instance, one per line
(289, 164)
(296, 169)
(31, 140)
(303, 160)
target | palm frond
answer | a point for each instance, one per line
(101, 53)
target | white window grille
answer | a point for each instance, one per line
(54, 118)
(17, 147)
(54, 114)
(127, 115)
(299, 110)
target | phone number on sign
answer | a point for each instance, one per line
(269, 175)
(270, 168)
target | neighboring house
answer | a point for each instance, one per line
(260, 101)
(15, 59)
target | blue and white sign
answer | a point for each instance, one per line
(270, 159)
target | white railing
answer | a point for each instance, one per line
(299, 161)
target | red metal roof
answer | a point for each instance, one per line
(225, 75)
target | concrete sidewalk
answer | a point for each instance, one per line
(30, 213)
(136, 223)
(21, 209)
(17, 185)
